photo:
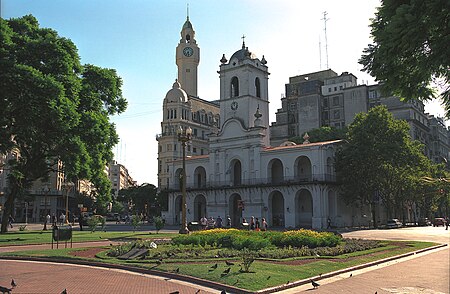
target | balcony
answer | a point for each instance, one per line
(300, 180)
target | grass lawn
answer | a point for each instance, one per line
(42, 237)
(263, 273)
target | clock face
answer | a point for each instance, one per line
(234, 105)
(188, 51)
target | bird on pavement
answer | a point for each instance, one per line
(175, 292)
(64, 291)
(5, 290)
(223, 292)
(351, 275)
(13, 283)
(315, 284)
(198, 291)
(229, 263)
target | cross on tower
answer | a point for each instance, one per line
(243, 41)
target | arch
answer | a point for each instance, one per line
(303, 169)
(200, 177)
(258, 87)
(276, 171)
(276, 209)
(234, 210)
(236, 172)
(178, 209)
(303, 209)
(199, 207)
(234, 87)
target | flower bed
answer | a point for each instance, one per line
(254, 240)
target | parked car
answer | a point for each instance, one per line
(439, 221)
(424, 222)
(394, 223)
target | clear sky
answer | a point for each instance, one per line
(138, 38)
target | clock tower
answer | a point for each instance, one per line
(187, 59)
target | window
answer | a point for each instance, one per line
(189, 147)
(169, 147)
(195, 132)
(337, 114)
(335, 100)
(234, 87)
(325, 102)
(175, 147)
(335, 88)
(325, 115)
(329, 90)
(201, 151)
(258, 87)
(194, 150)
(188, 70)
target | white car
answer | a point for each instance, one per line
(394, 223)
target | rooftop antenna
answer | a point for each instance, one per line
(325, 19)
(320, 54)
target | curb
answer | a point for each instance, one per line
(346, 270)
(212, 284)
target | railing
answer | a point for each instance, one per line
(303, 179)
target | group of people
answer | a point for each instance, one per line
(255, 224)
(211, 223)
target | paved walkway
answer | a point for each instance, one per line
(48, 278)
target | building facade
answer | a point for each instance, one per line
(119, 177)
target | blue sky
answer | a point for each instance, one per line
(138, 39)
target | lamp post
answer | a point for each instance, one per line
(67, 186)
(45, 189)
(184, 135)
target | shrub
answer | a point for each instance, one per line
(159, 223)
(135, 222)
(93, 221)
(248, 257)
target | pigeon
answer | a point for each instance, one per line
(175, 292)
(177, 270)
(13, 283)
(223, 292)
(196, 253)
(99, 237)
(111, 244)
(64, 291)
(351, 275)
(287, 282)
(228, 263)
(198, 291)
(5, 290)
(235, 283)
(214, 266)
(315, 284)
(227, 270)
(268, 277)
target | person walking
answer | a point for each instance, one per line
(10, 221)
(263, 224)
(329, 223)
(219, 222)
(228, 221)
(62, 219)
(257, 225)
(80, 221)
(446, 223)
(203, 222)
(47, 219)
(252, 223)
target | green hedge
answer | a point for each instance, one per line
(237, 239)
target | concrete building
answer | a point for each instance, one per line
(325, 98)
(119, 177)
(183, 108)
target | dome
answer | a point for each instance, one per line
(243, 54)
(176, 94)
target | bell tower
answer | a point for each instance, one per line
(187, 59)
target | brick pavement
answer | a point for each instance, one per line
(48, 278)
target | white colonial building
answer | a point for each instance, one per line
(241, 174)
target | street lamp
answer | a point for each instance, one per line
(45, 189)
(67, 186)
(184, 135)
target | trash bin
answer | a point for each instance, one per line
(193, 226)
(62, 233)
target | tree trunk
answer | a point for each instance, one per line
(9, 206)
(374, 218)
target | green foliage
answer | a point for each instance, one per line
(143, 197)
(380, 159)
(253, 240)
(117, 208)
(94, 221)
(53, 109)
(159, 223)
(322, 134)
(248, 257)
(410, 49)
(135, 222)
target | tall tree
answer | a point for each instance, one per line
(144, 198)
(322, 134)
(378, 159)
(410, 55)
(53, 109)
